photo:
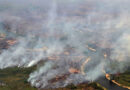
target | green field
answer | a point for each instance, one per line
(123, 78)
(15, 78)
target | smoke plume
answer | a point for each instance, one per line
(63, 35)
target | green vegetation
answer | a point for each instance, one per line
(15, 78)
(97, 86)
(123, 78)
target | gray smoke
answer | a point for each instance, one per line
(63, 34)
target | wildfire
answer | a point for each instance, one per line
(105, 55)
(74, 70)
(108, 77)
(83, 65)
(38, 49)
(59, 78)
(11, 42)
(53, 58)
(92, 49)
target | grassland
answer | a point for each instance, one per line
(15, 78)
(123, 78)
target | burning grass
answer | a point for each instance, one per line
(15, 78)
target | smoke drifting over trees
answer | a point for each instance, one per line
(63, 34)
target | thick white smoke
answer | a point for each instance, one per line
(63, 34)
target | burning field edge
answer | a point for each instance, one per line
(122, 80)
(15, 78)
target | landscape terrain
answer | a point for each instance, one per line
(64, 45)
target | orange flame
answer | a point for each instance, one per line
(74, 70)
(105, 55)
(92, 49)
(83, 65)
(11, 42)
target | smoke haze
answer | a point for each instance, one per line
(63, 34)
